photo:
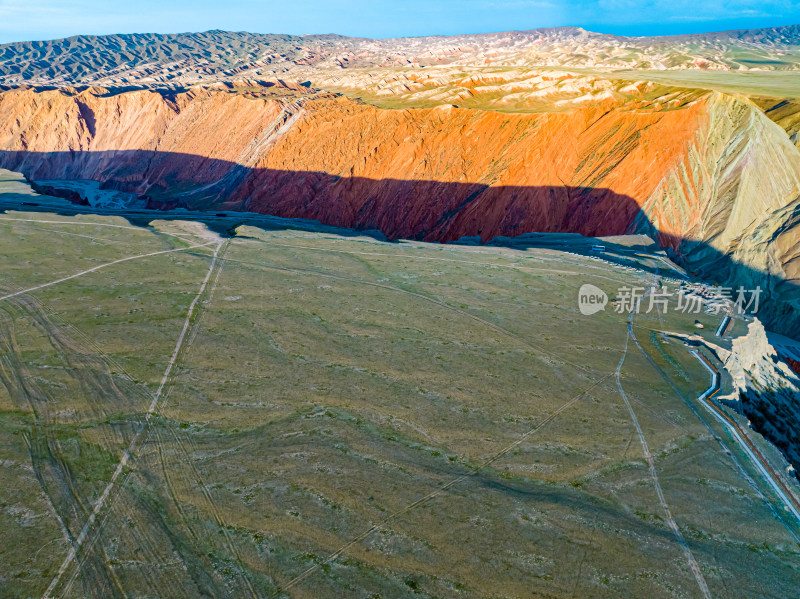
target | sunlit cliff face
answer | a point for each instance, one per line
(596, 157)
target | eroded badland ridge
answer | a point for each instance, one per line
(707, 173)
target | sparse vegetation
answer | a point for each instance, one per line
(322, 389)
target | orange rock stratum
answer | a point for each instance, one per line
(693, 166)
(436, 173)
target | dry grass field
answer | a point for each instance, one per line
(334, 416)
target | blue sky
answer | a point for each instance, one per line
(47, 19)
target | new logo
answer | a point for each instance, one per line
(591, 299)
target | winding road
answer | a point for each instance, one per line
(707, 399)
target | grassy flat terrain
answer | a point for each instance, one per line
(782, 84)
(519, 89)
(333, 416)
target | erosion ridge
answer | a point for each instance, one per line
(763, 387)
(434, 174)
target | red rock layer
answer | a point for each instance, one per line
(435, 174)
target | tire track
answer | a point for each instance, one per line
(152, 409)
(555, 359)
(98, 267)
(693, 565)
(189, 462)
(50, 468)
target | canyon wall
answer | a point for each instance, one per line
(707, 173)
(435, 174)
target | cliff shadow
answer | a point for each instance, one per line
(422, 210)
(162, 185)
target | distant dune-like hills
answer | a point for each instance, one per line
(159, 59)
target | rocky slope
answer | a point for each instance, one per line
(765, 389)
(436, 173)
(785, 113)
(708, 174)
(179, 59)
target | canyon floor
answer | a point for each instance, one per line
(210, 406)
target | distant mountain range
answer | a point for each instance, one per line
(183, 58)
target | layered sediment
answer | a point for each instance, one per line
(707, 174)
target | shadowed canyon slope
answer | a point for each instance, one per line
(709, 174)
